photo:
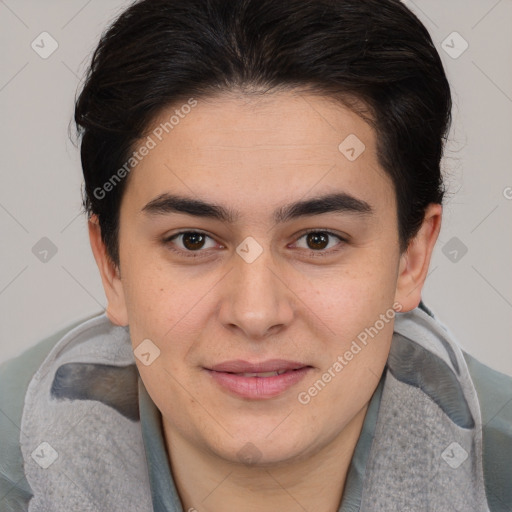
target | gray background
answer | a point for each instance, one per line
(470, 291)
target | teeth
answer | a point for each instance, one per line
(264, 374)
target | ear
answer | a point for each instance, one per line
(414, 262)
(110, 276)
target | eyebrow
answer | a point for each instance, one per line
(166, 204)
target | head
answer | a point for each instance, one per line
(263, 183)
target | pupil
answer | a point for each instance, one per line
(317, 240)
(193, 240)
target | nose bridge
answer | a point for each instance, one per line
(256, 300)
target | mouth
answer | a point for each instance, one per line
(261, 374)
(258, 381)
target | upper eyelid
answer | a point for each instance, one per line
(328, 231)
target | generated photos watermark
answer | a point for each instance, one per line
(150, 143)
(357, 345)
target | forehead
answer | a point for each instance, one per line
(260, 150)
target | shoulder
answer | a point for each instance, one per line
(494, 390)
(15, 376)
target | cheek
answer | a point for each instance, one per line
(355, 297)
(166, 301)
(155, 294)
(168, 310)
(361, 328)
(148, 303)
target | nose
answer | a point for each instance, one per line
(256, 299)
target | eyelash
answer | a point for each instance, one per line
(197, 254)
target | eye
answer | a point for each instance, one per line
(189, 241)
(192, 243)
(321, 242)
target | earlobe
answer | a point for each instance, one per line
(110, 277)
(415, 261)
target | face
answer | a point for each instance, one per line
(257, 310)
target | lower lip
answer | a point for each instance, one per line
(258, 387)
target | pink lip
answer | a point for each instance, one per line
(225, 374)
(271, 365)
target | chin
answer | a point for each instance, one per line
(256, 449)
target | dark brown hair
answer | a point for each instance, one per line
(160, 52)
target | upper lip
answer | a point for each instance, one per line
(271, 365)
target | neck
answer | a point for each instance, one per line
(208, 483)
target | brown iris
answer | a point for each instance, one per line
(317, 240)
(193, 241)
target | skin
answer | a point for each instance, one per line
(254, 155)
